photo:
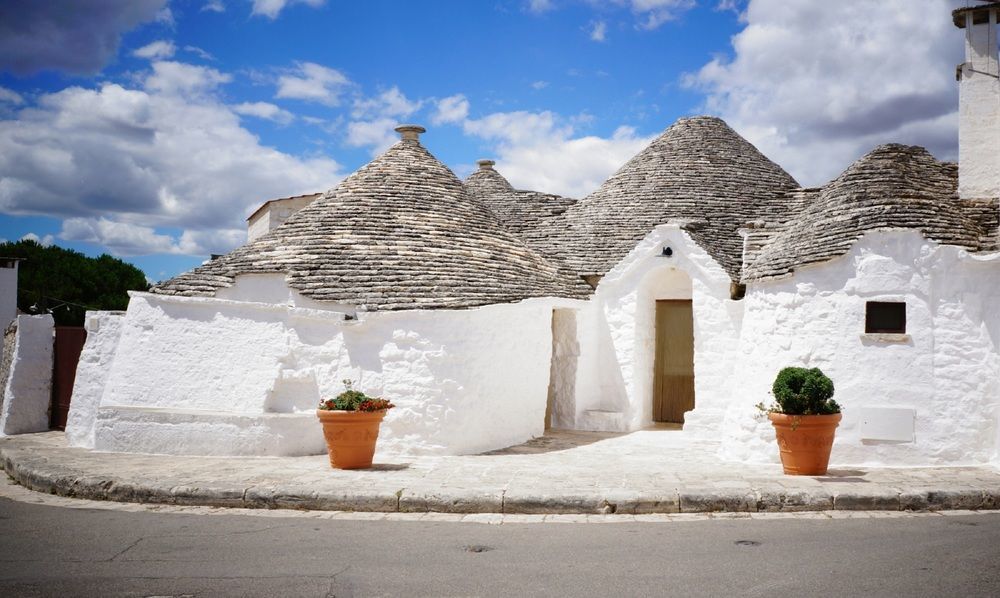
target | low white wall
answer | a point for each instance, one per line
(28, 392)
(103, 332)
(618, 333)
(463, 381)
(947, 370)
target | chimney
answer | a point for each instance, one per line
(979, 102)
(410, 132)
(485, 164)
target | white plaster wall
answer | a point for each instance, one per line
(463, 380)
(565, 363)
(948, 370)
(8, 295)
(28, 392)
(103, 332)
(617, 335)
(979, 113)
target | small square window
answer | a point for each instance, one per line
(885, 317)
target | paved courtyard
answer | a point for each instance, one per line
(650, 471)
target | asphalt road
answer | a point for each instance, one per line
(54, 551)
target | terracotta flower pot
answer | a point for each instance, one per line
(350, 436)
(804, 441)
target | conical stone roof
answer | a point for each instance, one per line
(400, 233)
(894, 186)
(699, 171)
(523, 213)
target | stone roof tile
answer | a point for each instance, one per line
(894, 186)
(400, 233)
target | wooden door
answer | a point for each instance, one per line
(67, 347)
(673, 369)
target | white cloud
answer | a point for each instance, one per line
(379, 134)
(538, 151)
(451, 109)
(156, 50)
(540, 6)
(539, 84)
(199, 52)
(170, 77)
(165, 16)
(598, 31)
(10, 96)
(314, 83)
(388, 103)
(265, 110)
(814, 99)
(45, 241)
(127, 239)
(154, 158)
(67, 35)
(271, 8)
(518, 128)
(653, 13)
(213, 6)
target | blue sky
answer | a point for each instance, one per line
(150, 129)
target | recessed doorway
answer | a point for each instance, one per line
(673, 365)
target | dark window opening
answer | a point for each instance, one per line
(885, 317)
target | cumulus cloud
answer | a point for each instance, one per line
(538, 151)
(815, 98)
(45, 241)
(377, 134)
(451, 109)
(537, 85)
(184, 79)
(74, 36)
(265, 110)
(167, 155)
(391, 102)
(272, 8)
(9, 96)
(598, 31)
(156, 50)
(313, 83)
(213, 6)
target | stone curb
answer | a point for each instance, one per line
(40, 473)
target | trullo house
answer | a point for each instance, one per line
(673, 293)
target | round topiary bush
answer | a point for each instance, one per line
(802, 391)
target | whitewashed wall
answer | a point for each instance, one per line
(103, 332)
(947, 370)
(28, 392)
(463, 380)
(979, 113)
(617, 334)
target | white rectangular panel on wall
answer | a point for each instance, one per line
(894, 424)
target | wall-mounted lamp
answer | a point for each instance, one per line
(667, 252)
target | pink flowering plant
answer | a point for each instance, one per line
(354, 400)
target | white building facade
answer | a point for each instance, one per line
(674, 293)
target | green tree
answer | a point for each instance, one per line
(67, 283)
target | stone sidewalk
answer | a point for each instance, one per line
(651, 471)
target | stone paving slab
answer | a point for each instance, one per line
(642, 474)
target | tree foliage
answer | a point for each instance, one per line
(67, 283)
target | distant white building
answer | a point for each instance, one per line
(273, 213)
(674, 292)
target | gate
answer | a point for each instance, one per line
(68, 345)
